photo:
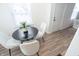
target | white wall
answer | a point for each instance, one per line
(73, 49)
(67, 15)
(6, 20)
(40, 13)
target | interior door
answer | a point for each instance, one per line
(57, 11)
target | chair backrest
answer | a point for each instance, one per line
(30, 48)
(43, 27)
(8, 42)
(3, 38)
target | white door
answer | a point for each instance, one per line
(60, 16)
(57, 11)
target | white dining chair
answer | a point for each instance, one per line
(8, 42)
(30, 47)
(41, 31)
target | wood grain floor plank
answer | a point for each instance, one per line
(55, 43)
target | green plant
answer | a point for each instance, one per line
(23, 26)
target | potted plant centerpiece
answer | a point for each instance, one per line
(23, 28)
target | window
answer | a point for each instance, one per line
(22, 12)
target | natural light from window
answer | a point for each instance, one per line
(22, 12)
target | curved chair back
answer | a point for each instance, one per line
(30, 48)
(8, 42)
(43, 28)
(3, 38)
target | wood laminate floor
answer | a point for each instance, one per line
(55, 43)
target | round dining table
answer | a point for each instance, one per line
(32, 32)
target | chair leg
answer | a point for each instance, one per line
(59, 55)
(10, 52)
(43, 39)
(37, 53)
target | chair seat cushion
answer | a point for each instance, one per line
(3, 38)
